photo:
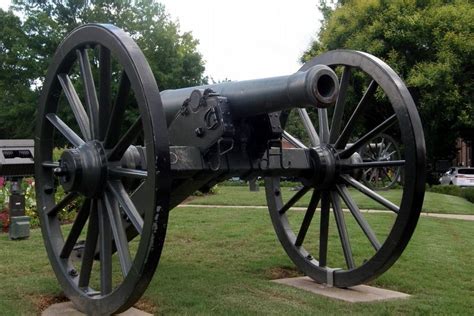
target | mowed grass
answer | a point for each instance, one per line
(240, 195)
(220, 261)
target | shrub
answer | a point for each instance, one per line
(447, 189)
(4, 221)
(467, 193)
(213, 190)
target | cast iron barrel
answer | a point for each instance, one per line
(318, 86)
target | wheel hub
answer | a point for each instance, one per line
(83, 169)
(327, 166)
(324, 162)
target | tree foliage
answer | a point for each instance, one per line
(430, 43)
(17, 100)
(27, 45)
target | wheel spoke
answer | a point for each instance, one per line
(116, 187)
(324, 229)
(342, 230)
(105, 246)
(391, 154)
(76, 229)
(105, 79)
(89, 247)
(118, 111)
(126, 141)
(373, 164)
(308, 125)
(382, 144)
(346, 153)
(139, 196)
(323, 125)
(374, 155)
(90, 93)
(68, 199)
(386, 174)
(128, 173)
(384, 152)
(363, 103)
(65, 130)
(76, 105)
(354, 209)
(293, 140)
(119, 234)
(339, 107)
(294, 199)
(308, 217)
(365, 190)
(50, 164)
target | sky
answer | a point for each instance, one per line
(246, 39)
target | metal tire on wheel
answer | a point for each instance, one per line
(114, 270)
(336, 167)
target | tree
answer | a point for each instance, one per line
(172, 54)
(430, 43)
(17, 99)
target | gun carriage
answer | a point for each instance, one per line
(135, 153)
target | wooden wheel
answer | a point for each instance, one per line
(372, 100)
(116, 198)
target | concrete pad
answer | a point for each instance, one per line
(354, 294)
(68, 309)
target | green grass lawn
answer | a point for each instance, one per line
(240, 195)
(219, 261)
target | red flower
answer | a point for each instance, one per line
(4, 221)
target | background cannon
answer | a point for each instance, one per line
(133, 154)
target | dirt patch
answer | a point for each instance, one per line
(147, 306)
(282, 273)
(188, 199)
(42, 302)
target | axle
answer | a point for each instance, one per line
(317, 86)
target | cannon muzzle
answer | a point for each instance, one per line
(318, 86)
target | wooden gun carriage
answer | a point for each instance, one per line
(133, 154)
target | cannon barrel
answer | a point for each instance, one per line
(318, 86)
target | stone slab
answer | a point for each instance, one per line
(354, 294)
(68, 309)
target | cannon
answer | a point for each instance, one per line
(133, 153)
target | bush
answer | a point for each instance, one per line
(213, 190)
(447, 189)
(28, 186)
(467, 193)
(4, 221)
